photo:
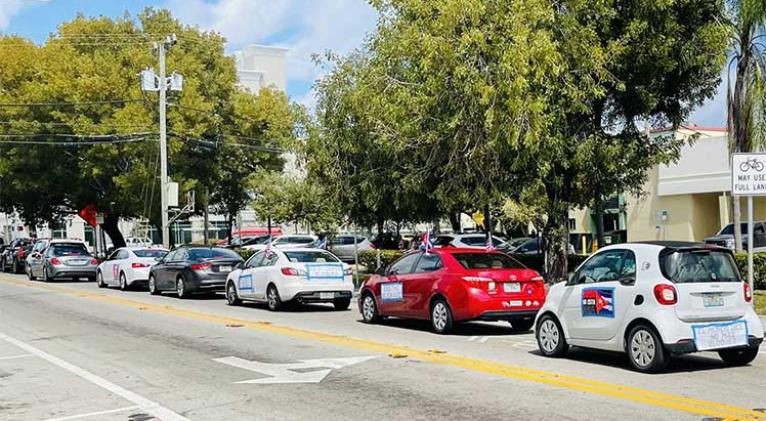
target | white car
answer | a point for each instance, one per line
(467, 240)
(293, 241)
(653, 301)
(303, 275)
(127, 267)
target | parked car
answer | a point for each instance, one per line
(532, 246)
(682, 298)
(191, 269)
(302, 275)
(478, 241)
(63, 259)
(725, 237)
(343, 246)
(251, 242)
(128, 267)
(138, 242)
(451, 285)
(13, 257)
(35, 255)
(293, 241)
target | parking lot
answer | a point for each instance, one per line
(71, 351)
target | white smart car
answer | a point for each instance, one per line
(652, 301)
(303, 275)
(127, 267)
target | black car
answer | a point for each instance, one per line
(14, 255)
(191, 269)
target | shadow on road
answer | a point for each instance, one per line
(460, 329)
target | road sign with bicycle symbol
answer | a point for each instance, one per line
(748, 177)
(751, 164)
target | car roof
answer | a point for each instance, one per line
(660, 245)
(300, 249)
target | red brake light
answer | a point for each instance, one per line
(748, 293)
(201, 266)
(293, 272)
(139, 265)
(55, 261)
(22, 253)
(665, 294)
(94, 261)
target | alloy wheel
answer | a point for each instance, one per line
(439, 316)
(368, 308)
(180, 287)
(123, 282)
(642, 348)
(549, 335)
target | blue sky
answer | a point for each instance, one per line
(303, 26)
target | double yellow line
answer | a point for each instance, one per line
(648, 397)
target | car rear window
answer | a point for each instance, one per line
(212, 253)
(442, 241)
(150, 253)
(696, 266)
(487, 261)
(69, 250)
(310, 256)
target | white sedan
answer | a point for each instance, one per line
(653, 301)
(302, 275)
(127, 267)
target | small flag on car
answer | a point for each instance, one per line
(426, 245)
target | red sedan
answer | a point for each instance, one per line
(451, 285)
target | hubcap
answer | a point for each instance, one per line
(180, 287)
(368, 308)
(151, 284)
(230, 293)
(439, 316)
(123, 282)
(642, 348)
(272, 297)
(549, 335)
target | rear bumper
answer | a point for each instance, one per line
(688, 346)
(71, 272)
(508, 315)
(315, 296)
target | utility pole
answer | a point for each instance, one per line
(163, 148)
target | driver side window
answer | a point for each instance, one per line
(403, 266)
(607, 266)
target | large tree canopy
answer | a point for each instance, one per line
(83, 81)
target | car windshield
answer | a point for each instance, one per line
(487, 261)
(729, 229)
(293, 240)
(69, 250)
(310, 256)
(692, 266)
(212, 254)
(150, 253)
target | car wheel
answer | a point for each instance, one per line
(231, 295)
(45, 274)
(181, 290)
(342, 303)
(550, 337)
(645, 351)
(2, 265)
(16, 267)
(369, 309)
(123, 282)
(522, 325)
(738, 357)
(100, 280)
(272, 298)
(153, 286)
(28, 269)
(441, 317)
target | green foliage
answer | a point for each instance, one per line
(536, 262)
(759, 268)
(369, 258)
(245, 253)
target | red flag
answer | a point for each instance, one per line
(88, 213)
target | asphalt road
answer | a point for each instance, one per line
(71, 351)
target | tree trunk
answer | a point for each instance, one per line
(112, 229)
(599, 213)
(206, 218)
(738, 121)
(229, 228)
(380, 225)
(556, 234)
(454, 220)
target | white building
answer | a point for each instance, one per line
(259, 66)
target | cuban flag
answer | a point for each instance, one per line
(425, 244)
(598, 302)
(267, 250)
(323, 243)
(490, 244)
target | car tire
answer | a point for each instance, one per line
(441, 317)
(100, 280)
(273, 301)
(182, 290)
(738, 357)
(342, 303)
(645, 350)
(231, 295)
(522, 325)
(2, 265)
(28, 270)
(123, 282)
(152, 284)
(550, 337)
(46, 278)
(17, 267)
(369, 309)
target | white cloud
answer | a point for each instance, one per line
(713, 112)
(8, 8)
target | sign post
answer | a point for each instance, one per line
(748, 178)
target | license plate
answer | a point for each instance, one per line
(720, 335)
(712, 300)
(512, 287)
(326, 295)
(224, 268)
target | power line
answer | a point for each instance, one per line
(75, 135)
(73, 124)
(83, 143)
(66, 104)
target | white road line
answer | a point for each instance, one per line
(484, 339)
(13, 357)
(473, 338)
(93, 414)
(145, 404)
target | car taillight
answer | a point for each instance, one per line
(140, 265)
(94, 261)
(201, 266)
(665, 294)
(293, 272)
(748, 293)
(55, 261)
(22, 253)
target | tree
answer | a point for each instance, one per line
(83, 80)
(746, 100)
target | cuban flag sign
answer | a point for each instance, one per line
(426, 245)
(267, 250)
(598, 302)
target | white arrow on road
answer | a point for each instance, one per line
(286, 373)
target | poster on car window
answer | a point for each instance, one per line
(325, 272)
(391, 291)
(720, 335)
